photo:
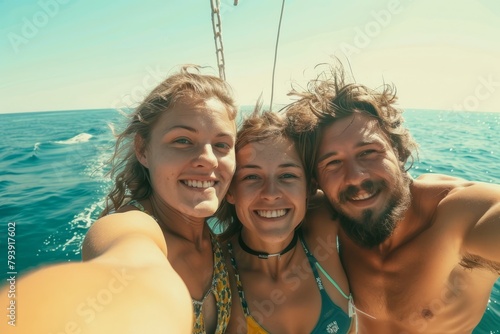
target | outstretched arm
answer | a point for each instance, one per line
(478, 205)
(128, 286)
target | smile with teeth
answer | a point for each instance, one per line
(361, 197)
(198, 184)
(272, 213)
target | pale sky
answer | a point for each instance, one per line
(86, 54)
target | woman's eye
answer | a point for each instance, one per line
(333, 162)
(288, 176)
(182, 141)
(223, 145)
(250, 177)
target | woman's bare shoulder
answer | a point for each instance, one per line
(117, 227)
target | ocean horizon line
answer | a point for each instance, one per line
(279, 105)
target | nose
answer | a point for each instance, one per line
(355, 174)
(206, 157)
(270, 191)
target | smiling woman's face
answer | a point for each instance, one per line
(190, 156)
(269, 189)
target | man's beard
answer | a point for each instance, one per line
(370, 230)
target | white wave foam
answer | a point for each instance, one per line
(79, 138)
(60, 241)
(97, 168)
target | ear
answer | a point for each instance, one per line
(140, 150)
(230, 197)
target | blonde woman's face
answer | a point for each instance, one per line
(191, 157)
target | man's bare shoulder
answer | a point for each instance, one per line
(453, 188)
(455, 202)
(439, 179)
(437, 186)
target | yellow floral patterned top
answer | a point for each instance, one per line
(222, 293)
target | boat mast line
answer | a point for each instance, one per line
(276, 55)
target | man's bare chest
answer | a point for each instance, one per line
(411, 281)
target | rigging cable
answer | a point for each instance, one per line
(276, 56)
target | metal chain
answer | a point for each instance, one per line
(219, 47)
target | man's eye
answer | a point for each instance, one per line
(367, 152)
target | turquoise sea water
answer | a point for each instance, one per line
(52, 179)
